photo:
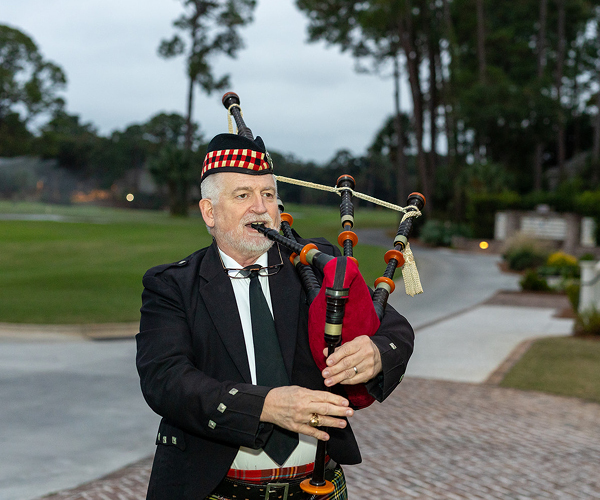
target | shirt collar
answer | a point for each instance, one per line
(262, 261)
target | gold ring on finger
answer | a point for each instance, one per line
(314, 421)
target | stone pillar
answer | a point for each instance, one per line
(513, 222)
(588, 232)
(589, 292)
(573, 235)
(500, 226)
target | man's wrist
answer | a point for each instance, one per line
(378, 367)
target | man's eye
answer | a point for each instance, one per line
(269, 195)
(242, 196)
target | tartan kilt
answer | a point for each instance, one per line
(340, 492)
(339, 481)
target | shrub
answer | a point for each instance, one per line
(561, 264)
(533, 282)
(523, 258)
(572, 290)
(481, 210)
(561, 259)
(439, 233)
(523, 252)
(588, 203)
(587, 322)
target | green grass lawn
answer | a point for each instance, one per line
(89, 269)
(568, 366)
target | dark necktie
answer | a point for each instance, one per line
(270, 369)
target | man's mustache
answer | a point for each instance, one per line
(265, 218)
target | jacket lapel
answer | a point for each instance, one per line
(219, 298)
(285, 290)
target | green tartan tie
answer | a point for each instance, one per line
(270, 369)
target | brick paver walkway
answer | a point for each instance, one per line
(450, 441)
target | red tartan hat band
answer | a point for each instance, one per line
(234, 153)
(233, 160)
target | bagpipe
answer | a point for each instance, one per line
(342, 306)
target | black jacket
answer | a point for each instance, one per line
(194, 371)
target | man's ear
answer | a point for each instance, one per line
(206, 209)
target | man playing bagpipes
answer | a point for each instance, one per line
(225, 356)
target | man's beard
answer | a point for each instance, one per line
(244, 242)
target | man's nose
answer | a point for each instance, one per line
(258, 204)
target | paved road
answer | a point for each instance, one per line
(469, 347)
(439, 440)
(452, 281)
(457, 338)
(72, 409)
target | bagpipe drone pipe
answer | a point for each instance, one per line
(342, 307)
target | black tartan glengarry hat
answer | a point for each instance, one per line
(235, 153)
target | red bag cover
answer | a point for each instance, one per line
(360, 318)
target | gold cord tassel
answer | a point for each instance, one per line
(410, 274)
(229, 122)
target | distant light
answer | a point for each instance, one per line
(129, 197)
(484, 245)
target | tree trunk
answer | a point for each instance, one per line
(412, 63)
(188, 117)
(560, 137)
(447, 86)
(417, 96)
(178, 196)
(401, 177)
(573, 111)
(480, 138)
(537, 165)
(481, 42)
(449, 126)
(433, 104)
(541, 45)
(596, 144)
(541, 64)
(201, 9)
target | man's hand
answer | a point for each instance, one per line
(292, 407)
(361, 353)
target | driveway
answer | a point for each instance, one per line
(73, 411)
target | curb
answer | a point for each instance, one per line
(93, 331)
(517, 353)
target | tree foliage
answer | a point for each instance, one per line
(171, 164)
(381, 30)
(508, 84)
(71, 142)
(505, 99)
(29, 85)
(207, 28)
(518, 104)
(15, 137)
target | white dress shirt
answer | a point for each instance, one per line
(248, 458)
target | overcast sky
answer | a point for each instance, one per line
(304, 99)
